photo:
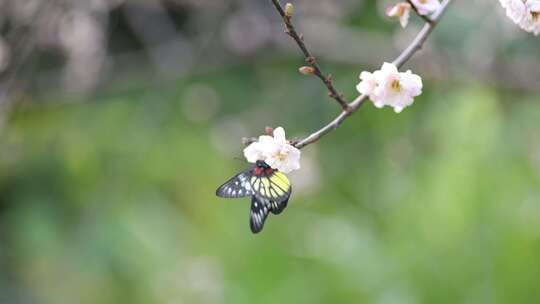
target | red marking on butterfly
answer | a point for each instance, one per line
(258, 171)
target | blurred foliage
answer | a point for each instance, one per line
(112, 200)
(109, 197)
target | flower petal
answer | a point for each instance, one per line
(279, 135)
(254, 152)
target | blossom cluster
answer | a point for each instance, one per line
(402, 10)
(525, 13)
(389, 87)
(274, 150)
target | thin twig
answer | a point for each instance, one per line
(415, 45)
(421, 38)
(415, 9)
(310, 59)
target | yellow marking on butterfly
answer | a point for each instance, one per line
(281, 181)
(265, 182)
(276, 191)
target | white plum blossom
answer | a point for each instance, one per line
(282, 155)
(389, 87)
(531, 22)
(274, 150)
(402, 11)
(525, 13)
(396, 89)
(515, 9)
(426, 7)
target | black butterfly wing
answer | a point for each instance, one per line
(258, 213)
(237, 186)
(260, 207)
(276, 207)
(279, 206)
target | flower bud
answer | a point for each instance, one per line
(269, 131)
(400, 11)
(289, 10)
(306, 70)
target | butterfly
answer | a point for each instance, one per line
(269, 189)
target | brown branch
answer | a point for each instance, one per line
(310, 59)
(415, 9)
(415, 45)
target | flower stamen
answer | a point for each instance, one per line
(396, 85)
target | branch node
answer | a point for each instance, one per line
(330, 78)
(348, 109)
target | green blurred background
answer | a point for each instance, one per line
(120, 119)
